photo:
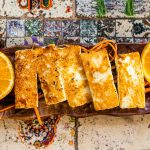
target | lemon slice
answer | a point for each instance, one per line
(6, 75)
(146, 61)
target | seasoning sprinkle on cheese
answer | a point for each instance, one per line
(75, 81)
(50, 78)
(26, 95)
(98, 71)
(130, 81)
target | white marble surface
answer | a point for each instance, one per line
(114, 133)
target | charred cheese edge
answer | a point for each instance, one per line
(75, 81)
(98, 71)
(50, 78)
(26, 95)
(130, 81)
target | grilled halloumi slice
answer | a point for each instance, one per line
(26, 95)
(98, 71)
(50, 78)
(130, 81)
(75, 81)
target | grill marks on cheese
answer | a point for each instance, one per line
(75, 82)
(50, 78)
(101, 83)
(130, 81)
(26, 95)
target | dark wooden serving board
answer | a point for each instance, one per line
(63, 108)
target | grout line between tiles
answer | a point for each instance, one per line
(76, 134)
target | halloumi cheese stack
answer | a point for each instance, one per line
(26, 94)
(130, 81)
(75, 81)
(98, 71)
(50, 78)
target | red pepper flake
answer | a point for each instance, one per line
(68, 9)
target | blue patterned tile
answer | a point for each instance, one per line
(124, 40)
(124, 28)
(71, 28)
(88, 40)
(14, 41)
(34, 40)
(15, 28)
(106, 28)
(52, 28)
(141, 28)
(50, 40)
(71, 40)
(34, 27)
(2, 27)
(140, 40)
(88, 28)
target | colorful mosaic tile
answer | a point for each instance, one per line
(32, 133)
(132, 8)
(88, 40)
(61, 9)
(70, 28)
(34, 27)
(2, 27)
(15, 28)
(72, 40)
(34, 40)
(124, 40)
(124, 28)
(106, 28)
(141, 28)
(95, 8)
(51, 40)
(140, 40)
(29, 135)
(88, 28)
(2, 42)
(52, 28)
(14, 41)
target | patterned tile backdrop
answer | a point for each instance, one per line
(75, 21)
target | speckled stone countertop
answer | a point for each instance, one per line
(75, 21)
